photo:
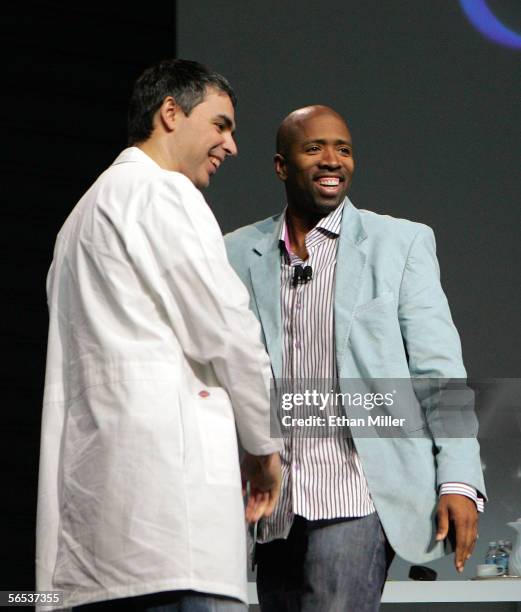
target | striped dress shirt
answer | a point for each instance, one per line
(322, 476)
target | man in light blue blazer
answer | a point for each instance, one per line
(389, 319)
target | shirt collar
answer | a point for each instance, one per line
(329, 224)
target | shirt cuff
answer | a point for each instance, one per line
(459, 488)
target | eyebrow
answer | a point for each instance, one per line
(227, 122)
(323, 141)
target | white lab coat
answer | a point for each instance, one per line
(152, 352)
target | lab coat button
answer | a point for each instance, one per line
(203, 393)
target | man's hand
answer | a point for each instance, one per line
(461, 513)
(264, 476)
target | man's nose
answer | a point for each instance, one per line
(329, 158)
(230, 146)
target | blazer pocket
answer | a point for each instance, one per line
(381, 300)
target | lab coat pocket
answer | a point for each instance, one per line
(219, 439)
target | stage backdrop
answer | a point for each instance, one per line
(68, 74)
(434, 109)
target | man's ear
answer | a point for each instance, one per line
(280, 166)
(167, 112)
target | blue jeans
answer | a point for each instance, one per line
(337, 565)
(170, 601)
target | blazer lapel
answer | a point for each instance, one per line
(265, 278)
(351, 261)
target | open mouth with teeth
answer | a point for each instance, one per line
(329, 185)
(215, 163)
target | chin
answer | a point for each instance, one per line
(201, 183)
(325, 207)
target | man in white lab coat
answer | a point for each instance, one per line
(154, 361)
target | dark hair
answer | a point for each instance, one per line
(184, 80)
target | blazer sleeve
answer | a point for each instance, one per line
(179, 249)
(434, 352)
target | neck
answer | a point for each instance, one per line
(158, 150)
(299, 223)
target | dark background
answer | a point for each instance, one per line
(66, 85)
(435, 113)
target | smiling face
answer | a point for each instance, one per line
(315, 159)
(201, 140)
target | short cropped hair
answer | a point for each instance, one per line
(186, 81)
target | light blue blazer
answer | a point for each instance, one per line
(392, 321)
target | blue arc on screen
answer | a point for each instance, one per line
(484, 20)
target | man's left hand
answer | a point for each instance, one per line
(461, 513)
